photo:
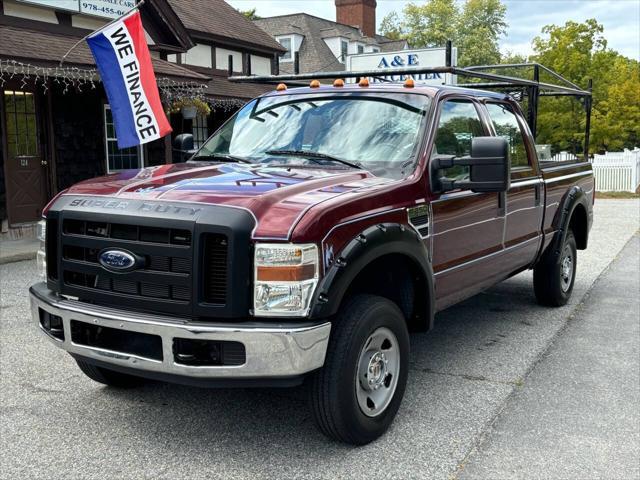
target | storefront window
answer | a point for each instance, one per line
(21, 123)
(200, 131)
(119, 159)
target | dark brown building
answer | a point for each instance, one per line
(55, 123)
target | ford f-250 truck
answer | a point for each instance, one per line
(305, 239)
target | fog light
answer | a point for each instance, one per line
(52, 324)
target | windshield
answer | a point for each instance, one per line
(377, 132)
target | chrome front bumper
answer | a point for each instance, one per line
(272, 350)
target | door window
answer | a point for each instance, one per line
(22, 127)
(119, 159)
(506, 125)
(459, 124)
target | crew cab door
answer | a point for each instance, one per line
(467, 226)
(524, 200)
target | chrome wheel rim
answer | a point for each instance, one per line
(566, 268)
(378, 371)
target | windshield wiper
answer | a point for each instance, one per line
(222, 156)
(312, 155)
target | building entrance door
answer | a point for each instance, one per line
(26, 179)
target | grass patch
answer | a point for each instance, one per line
(616, 195)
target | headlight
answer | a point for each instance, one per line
(41, 256)
(285, 279)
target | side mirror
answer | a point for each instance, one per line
(489, 169)
(183, 147)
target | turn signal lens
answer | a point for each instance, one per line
(364, 82)
(338, 82)
(41, 255)
(315, 84)
(409, 83)
(281, 87)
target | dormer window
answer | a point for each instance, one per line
(344, 50)
(287, 43)
(360, 48)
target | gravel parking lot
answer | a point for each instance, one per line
(56, 423)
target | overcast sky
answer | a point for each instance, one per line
(620, 18)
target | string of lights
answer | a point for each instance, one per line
(75, 79)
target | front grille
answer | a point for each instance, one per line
(52, 248)
(166, 275)
(215, 268)
(192, 261)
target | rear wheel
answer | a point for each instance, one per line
(108, 377)
(357, 393)
(554, 275)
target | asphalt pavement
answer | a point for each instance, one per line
(577, 414)
(496, 375)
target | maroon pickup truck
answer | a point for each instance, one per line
(304, 240)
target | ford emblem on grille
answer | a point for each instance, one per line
(117, 260)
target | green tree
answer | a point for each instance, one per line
(475, 29)
(250, 14)
(578, 51)
(391, 26)
(479, 28)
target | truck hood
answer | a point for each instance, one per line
(277, 196)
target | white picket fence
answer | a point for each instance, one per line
(614, 171)
(617, 171)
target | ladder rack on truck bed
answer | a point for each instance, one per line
(531, 89)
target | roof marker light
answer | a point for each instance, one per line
(281, 87)
(338, 82)
(364, 82)
(314, 84)
(409, 83)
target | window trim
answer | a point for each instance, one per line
(141, 164)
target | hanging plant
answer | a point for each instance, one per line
(190, 107)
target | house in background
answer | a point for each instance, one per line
(225, 41)
(323, 45)
(55, 124)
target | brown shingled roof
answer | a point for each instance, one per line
(217, 17)
(46, 49)
(221, 87)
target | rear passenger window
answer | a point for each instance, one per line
(506, 125)
(459, 124)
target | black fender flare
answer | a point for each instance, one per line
(574, 197)
(372, 243)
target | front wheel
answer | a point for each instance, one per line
(555, 274)
(357, 393)
(108, 377)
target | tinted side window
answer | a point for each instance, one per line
(459, 124)
(506, 125)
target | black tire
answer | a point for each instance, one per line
(333, 390)
(109, 377)
(551, 283)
